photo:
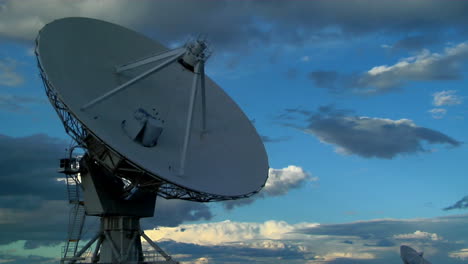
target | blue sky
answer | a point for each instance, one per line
(361, 104)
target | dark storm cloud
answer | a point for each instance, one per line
(32, 244)
(33, 204)
(32, 201)
(29, 167)
(461, 204)
(31, 259)
(47, 221)
(414, 42)
(243, 23)
(261, 22)
(381, 243)
(370, 137)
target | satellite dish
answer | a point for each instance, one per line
(411, 256)
(224, 160)
(150, 121)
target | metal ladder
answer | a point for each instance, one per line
(77, 214)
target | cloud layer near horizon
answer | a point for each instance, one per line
(374, 241)
(442, 239)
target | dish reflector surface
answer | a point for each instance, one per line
(79, 57)
(411, 256)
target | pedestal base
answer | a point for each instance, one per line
(118, 241)
(119, 236)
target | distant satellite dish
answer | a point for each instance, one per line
(411, 256)
(151, 123)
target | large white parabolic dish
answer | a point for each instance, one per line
(79, 56)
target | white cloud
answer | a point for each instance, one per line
(8, 74)
(425, 66)
(438, 113)
(202, 260)
(460, 254)
(385, 46)
(419, 235)
(230, 232)
(280, 181)
(305, 59)
(335, 255)
(448, 97)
